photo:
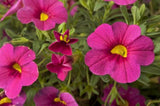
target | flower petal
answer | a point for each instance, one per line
(14, 87)
(13, 9)
(29, 74)
(99, 62)
(6, 54)
(46, 96)
(102, 38)
(68, 98)
(57, 35)
(23, 55)
(44, 25)
(4, 76)
(53, 68)
(119, 30)
(126, 71)
(26, 14)
(72, 41)
(132, 33)
(61, 47)
(62, 75)
(124, 2)
(142, 52)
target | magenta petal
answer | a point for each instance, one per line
(23, 55)
(99, 62)
(124, 2)
(29, 74)
(68, 98)
(13, 9)
(58, 12)
(142, 52)
(55, 59)
(62, 75)
(14, 87)
(6, 55)
(126, 71)
(132, 33)
(119, 30)
(25, 15)
(102, 38)
(61, 47)
(4, 76)
(34, 4)
(46, 96)
(20, 99)
(72, 41)
(57, 35)
(53, 68)
(44, 25)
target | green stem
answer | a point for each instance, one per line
(87, 76)
(69, 79)
(153, 101)
(114, 86)
(107, 10)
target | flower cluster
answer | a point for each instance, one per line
(61, 64)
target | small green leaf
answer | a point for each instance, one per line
(20, 40)
(98, 5)
(105, 78)
(125, 14)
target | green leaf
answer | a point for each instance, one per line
(152, 69)
(20, 40)
(94, 80)
(84, 4)
(136, 14)
(125, 13)
(105, 78)
(98, 5)
(144, 80)
(142, 9)
(43, 47)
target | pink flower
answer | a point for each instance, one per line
(131, 96)
(17, 69)
(43, 13)
(7, 3)
(13, 9)
(119, 50)
(122, 2)
(74, 9)
(60, 65)
(62, 44)
(18, 101)
(50, 96)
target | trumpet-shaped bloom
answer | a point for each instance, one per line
(50, 96)
(122, 2)
(17, 69)
(119, 50)
(131, 96)
(13, 9)
(43, 13)
(17, 101)
(60, 65)
(62, 44)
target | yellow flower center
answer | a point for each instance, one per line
(64, 38)
(43, 17)
(17, 67)
(5, 100)
(58, 100)
(120, 50)
(123, 104)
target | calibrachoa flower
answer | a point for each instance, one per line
(44, 14)
(7, 3)
(119, 50)
(17, 69)
(131, 96)
(17, 101)
(50, 96)
(62, 44)
(74, 9)
(60, 65)
(122, 2)
(13, 9)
